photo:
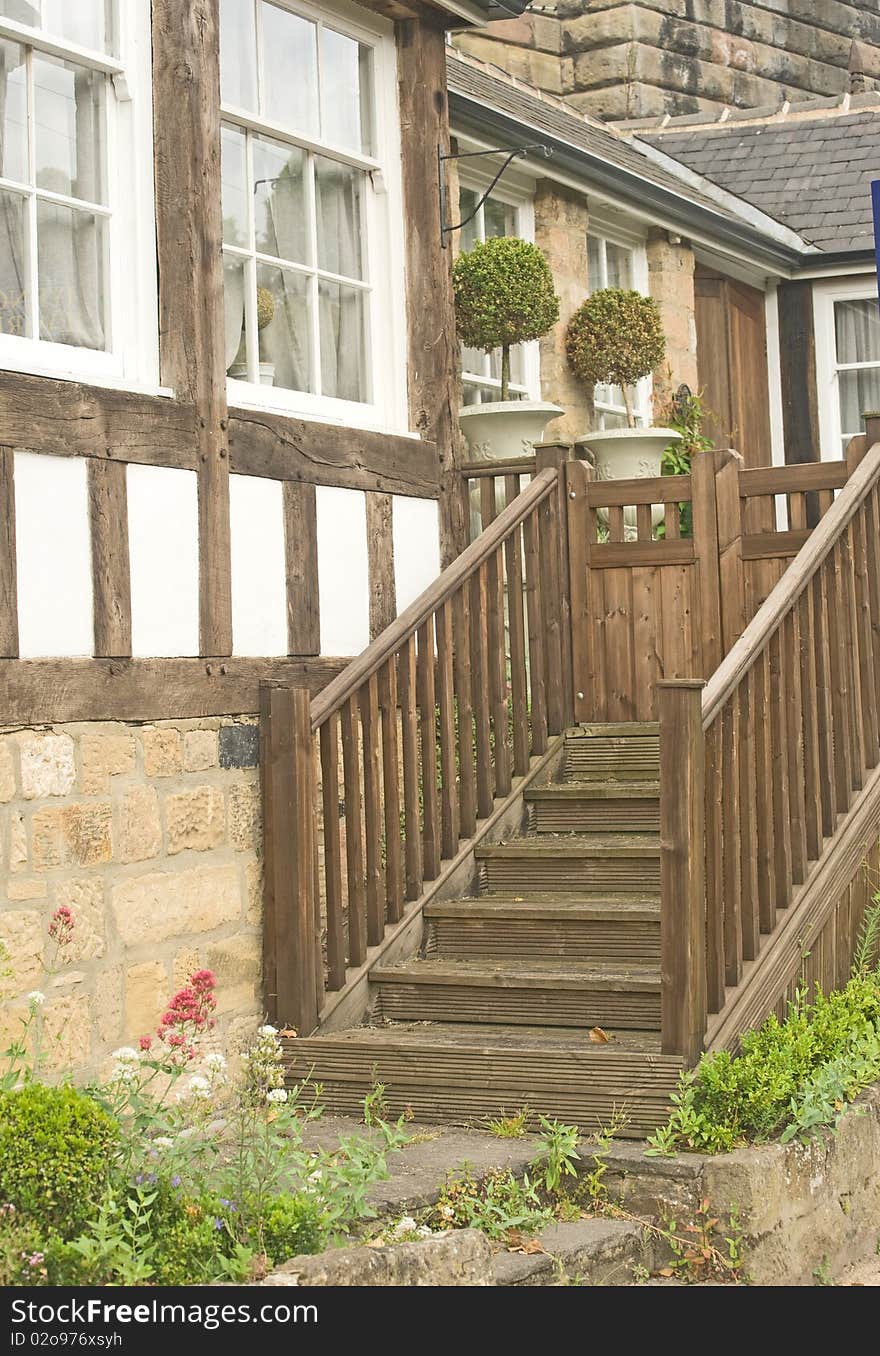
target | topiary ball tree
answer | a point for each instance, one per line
(504, 295)
(616, 337)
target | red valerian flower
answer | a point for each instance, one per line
(61, 926)
(188, 1014)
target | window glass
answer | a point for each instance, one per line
(238, 54)
(610, 264)
(290, 70)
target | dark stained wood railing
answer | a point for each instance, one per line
(374, 783)
(789, 739)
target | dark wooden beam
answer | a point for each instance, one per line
(111, 571)
(8, 570)
(380, 561)
(433, 352)
(797, 349)
(186, 136)
(301, 555)
(47, 691)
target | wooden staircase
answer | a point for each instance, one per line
(561, 935)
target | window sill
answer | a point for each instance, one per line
(59, 362)
(293, 405)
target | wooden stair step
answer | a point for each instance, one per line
(542, 991)
(592, 845)
(619, 751)
(464, 1074)
(595, 807)
(585, 928)
(597, 791)
(619, 861)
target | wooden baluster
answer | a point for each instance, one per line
(748, 802)
(826, 499)
(516, 626)
(848, 583)
(354, 844)
(488, 511)
(871, 531)
(446, 695)
(373, 811)
(391, 788)
(864, 635)
(480, 692)
(410, 751)
(428, 730)
(673, 520)
(809, 703)
(778, 728)
(332, 852)
(615, 522)
(797, 511)
(714, 868)
(552, 601)
(829, 773)
(268, 791)
(644, 523)
(791, 642)
(731, 845)
(497, 656)
(464, 702)
(537, 656)
(840, 688)
(760, 677)
(682, 832)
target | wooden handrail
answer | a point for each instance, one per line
(776, 607)
(489, 467)
(353, 677)
(793, 479)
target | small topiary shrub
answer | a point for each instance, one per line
(615, 337)
(292, 1227)
(56, 1152)
(504, 295)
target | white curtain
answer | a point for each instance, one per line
(857, 329)
(13, 261)
(338, 204)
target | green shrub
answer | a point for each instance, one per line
(292, 1226)
(190, 1233)
(504, 295)
(56, 1151)
(790, 1078)
(615, 337)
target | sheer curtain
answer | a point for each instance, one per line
(857, 331)
(338, 203)
(13, 259)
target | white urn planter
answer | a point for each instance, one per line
(630, 454)
(505, 429)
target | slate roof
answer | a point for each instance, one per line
(809, 171)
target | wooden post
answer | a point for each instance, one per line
(578, 474)
(730, 531)
(682, 868)
(706, 553)
(8, 571)
(189, 232)
(556, 455)
(301, 568)
(292, 941)
(380, 561)
(872, 428)
(111, 572)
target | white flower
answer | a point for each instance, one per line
(277, 1095)
(123, 1073)
(199, 1087)
(126, 1055)
(215, 1062)
(36, 999)
(268, 1031)
(162, 1142)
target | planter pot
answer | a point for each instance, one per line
(502, 431)
(629, 454)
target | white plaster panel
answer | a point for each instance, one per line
(416, 547)
(342, 570)
(259, 604)
(163, 528)
(53, 553)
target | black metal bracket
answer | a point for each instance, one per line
(446, 228)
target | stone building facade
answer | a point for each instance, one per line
(628, 60)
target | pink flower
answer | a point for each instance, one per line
(61, 926)
(145, 1043)
(188, 1014)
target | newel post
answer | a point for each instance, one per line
(556, 455)
(291, 932)
(682, 868)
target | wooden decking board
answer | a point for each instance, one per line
(602, 909)
(601, 791)
(525, 974)
(574, 847)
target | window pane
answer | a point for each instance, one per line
(238, 54)
(284, 340)
(233, 306)
(500, 218)
(594, 264)
(13, 104)
(470, 234)
(859, 393)
(87, 22)
(70, 255)
(69, 147)
(346, 93)
(13, 264)
(279, 200)
(290, 69)
(21, 11)
(619, 265)
(475, 361)
(338, 204)
(236, 198)
(857, 327)
(342, 342)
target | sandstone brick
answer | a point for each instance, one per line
(108, 1004)
(18, 850)
(67, 1033)
(195, 819)
(151, 908)
(199, 750)
(47, 765)
(237, 963)
(253, 879)
(7, 771)
(163, 752)
(24, 887)
(21, 932)
(245, 816)
(103, 756)
(140, 831)
(186, 962)
(85, 899)
(146, 994)
(77, 835)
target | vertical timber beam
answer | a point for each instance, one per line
(797, 347)
(432, 347)
(380, 561)
(301, 557)
(111, 571)
(8, 571)
(186, 134)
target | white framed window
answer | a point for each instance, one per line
(615, 261)
(847, 321)
(506, 212)
(312, 211)
(77, 232)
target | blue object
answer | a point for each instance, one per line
(875, 199)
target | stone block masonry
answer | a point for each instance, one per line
(151, 835)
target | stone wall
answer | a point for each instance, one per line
(561, 219)
(151, 835)
(671, 284)
(626, 60)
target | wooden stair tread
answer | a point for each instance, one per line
(613, 729)
(525, 974)
(602, 845)
(606, 789)
(602, 908)
(486, 1039)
